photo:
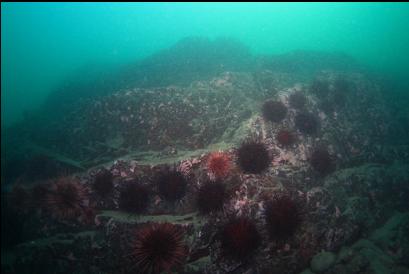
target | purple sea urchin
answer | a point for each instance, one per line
(274, 111)
(282, 217)
(158, 248)
(171, 185)
(253, 157)
(239, 238)
(211, 197)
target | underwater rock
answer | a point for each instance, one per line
(322, 261)
(285, 137)
(307, 123)
(133, 133)
(297, 100)
(322, 161)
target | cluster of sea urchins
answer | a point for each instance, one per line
(158, 248)
(239, 237)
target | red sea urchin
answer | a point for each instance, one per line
(274, 111)
(103, 183)
(158, 248)
(211, 197)
(66, 198)
(321, 161)
(239, 238)
(134, 198)
(171, 185)
(253, 157)
(282, 217)
(285, 137)
(219, 164)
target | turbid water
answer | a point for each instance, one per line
(205, 138)
(43, 44)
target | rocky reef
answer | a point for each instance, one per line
(164, 168)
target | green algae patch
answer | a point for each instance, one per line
(124, 217)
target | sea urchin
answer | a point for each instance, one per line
(274, 111)
(158, 248)
(282, 217)
(239, 238)
(66, 198)
(211, 197)
(219, 163)
(171, 185)
(253, 157)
